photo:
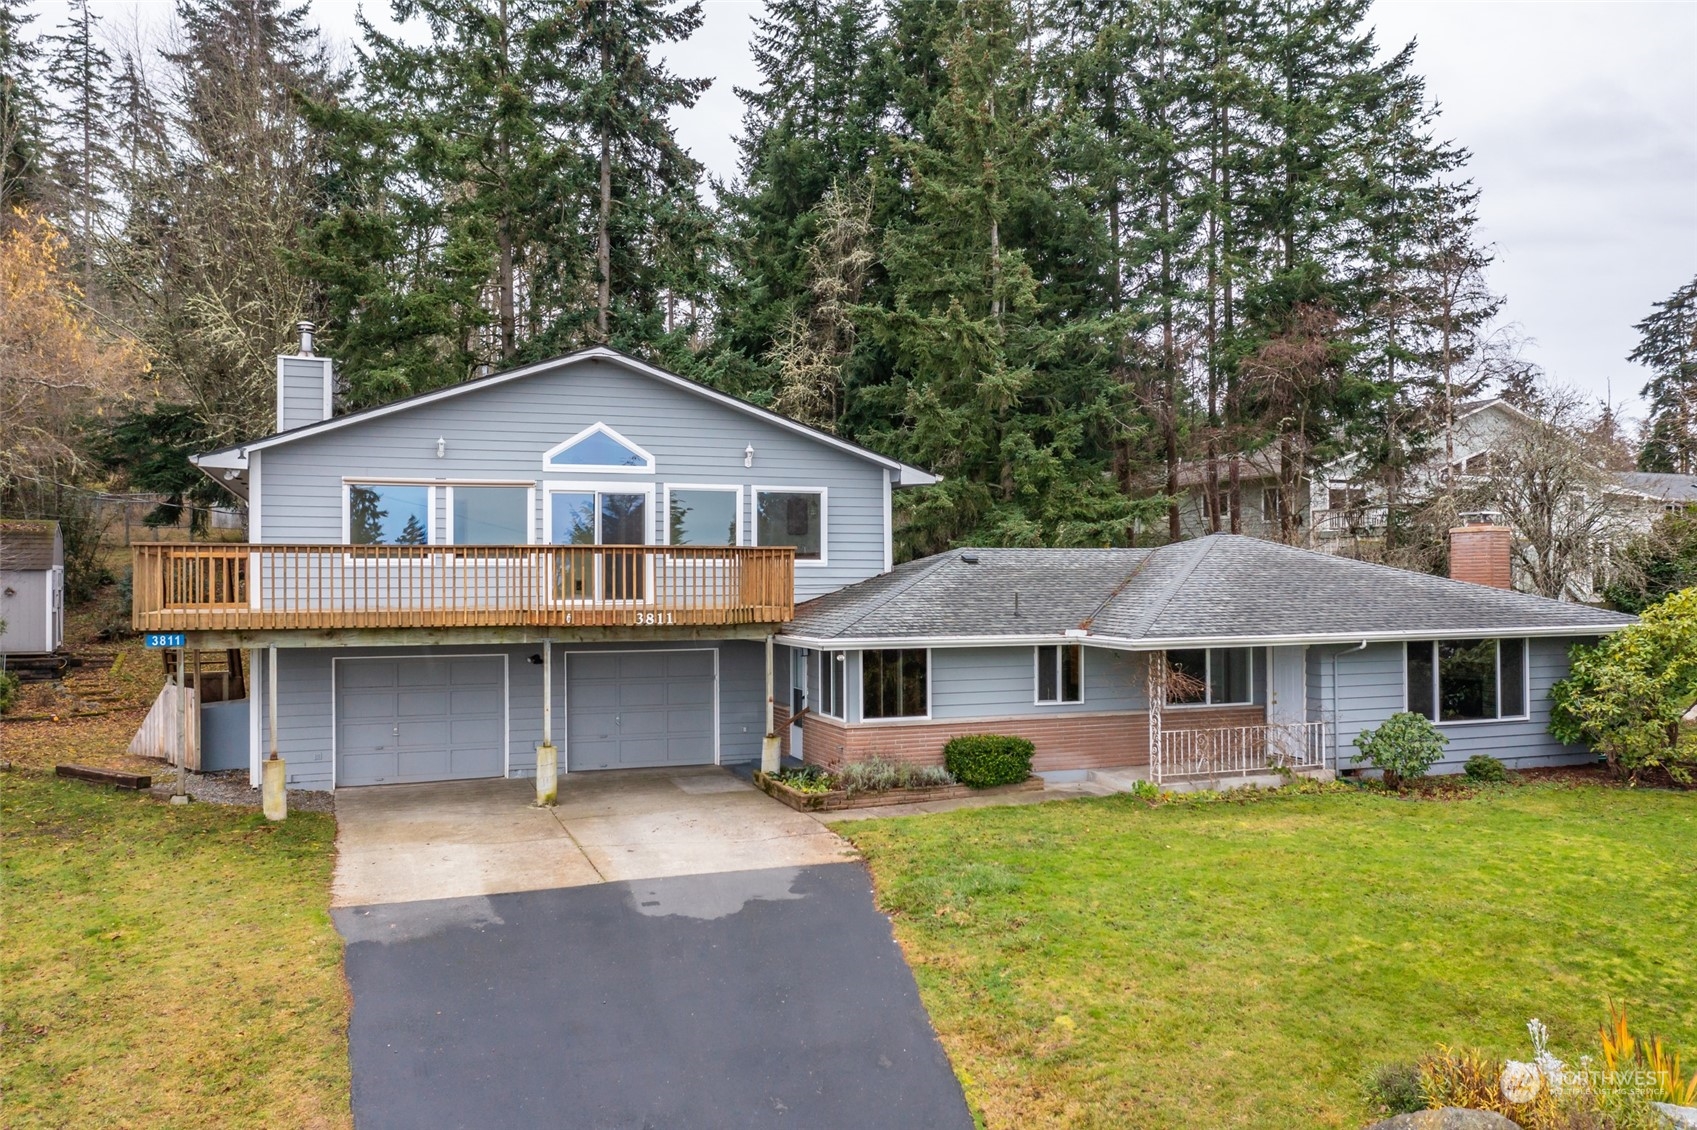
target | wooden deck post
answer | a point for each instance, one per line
(274, 794)
(769, 744)
(547, 757)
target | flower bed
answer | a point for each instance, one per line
(832, 799)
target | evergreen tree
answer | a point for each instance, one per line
(21, 112)
(83, 161)
(1667, 346)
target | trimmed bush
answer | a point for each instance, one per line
(1402, 749)
(981, 761)
(1485, 769)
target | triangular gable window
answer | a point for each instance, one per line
(599, 448)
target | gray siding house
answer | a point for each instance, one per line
(593, 556)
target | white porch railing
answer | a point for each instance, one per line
(1237, 751)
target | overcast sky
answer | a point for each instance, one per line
(1580, 117)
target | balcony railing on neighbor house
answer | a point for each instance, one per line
(1239, 751)
(237, 587)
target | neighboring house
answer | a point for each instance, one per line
(1258, 493)
(599, 551)
(32, 587)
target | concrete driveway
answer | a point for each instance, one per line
(401, 843)
(774, 998)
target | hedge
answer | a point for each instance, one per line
(984, 760)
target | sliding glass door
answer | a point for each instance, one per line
(605, 518)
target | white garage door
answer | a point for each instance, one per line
(638, 709)
(436, 718)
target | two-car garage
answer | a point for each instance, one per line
(446, 717)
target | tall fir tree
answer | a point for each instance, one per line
(21, 112)
(84, 159)
(1667, 346)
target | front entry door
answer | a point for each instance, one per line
(611, 518)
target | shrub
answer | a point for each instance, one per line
(1485, 769)
(809, 779)
(1625, 696)
(1396, 1088)
(879, 774)
(1146, 790)
(983, 760)
(9, 687)
(1402, 749)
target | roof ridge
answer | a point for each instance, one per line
(1177, 583)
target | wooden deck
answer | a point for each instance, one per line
(245, 587)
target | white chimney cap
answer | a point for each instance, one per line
(305, 329)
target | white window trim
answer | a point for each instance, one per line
(827, 661)
(1525, 682)
(548, 463)
(926, 717)
(1208, 702)
(1060, 683)
(529, 507)
(551, 487)
(429, 485)
(824, 520)
(666, 508)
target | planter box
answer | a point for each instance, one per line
(837, 799)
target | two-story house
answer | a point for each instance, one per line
(590, 563)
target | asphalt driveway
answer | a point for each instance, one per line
(761, 998)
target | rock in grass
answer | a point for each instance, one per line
(1449, 1118)
(1677, 1117)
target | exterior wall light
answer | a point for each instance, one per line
(441, 447)
(748, 456)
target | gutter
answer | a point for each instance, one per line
(1127, 643)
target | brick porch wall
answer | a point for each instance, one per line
(1063, 741)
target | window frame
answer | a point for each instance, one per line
(548, 464)
(350, 481)
(1438, 681)
(529, 508)
(824, 557)
(899, 719)
(1208, 679)
(1060, 674)
(829, 661)
(723, 488)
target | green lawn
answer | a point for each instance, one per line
(1106, 963)
(166, 966)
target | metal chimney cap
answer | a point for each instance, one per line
(305, 329)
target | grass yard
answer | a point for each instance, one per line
(166, 966)
(1103, 963)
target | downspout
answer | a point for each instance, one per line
(1362, 646)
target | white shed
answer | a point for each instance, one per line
(32, 587)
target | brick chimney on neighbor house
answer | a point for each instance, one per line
(1480, 553)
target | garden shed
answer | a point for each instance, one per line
(32, 587)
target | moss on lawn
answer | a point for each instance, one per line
(167, 966)
(1102, 963)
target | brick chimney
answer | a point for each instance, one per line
(1480, 553)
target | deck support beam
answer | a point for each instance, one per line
(274, 794)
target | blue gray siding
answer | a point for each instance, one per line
(305, 700)
(301, 390)
(1369, 685)
(1001, 682)
(501, 433)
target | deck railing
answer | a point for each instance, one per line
(237, 587)
(1239, 751)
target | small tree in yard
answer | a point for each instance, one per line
(1402, 749)
(1626, 696)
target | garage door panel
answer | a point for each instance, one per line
(637, 709)
(420, 719)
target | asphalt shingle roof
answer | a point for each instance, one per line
(1218, 587)
(1670, 488)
